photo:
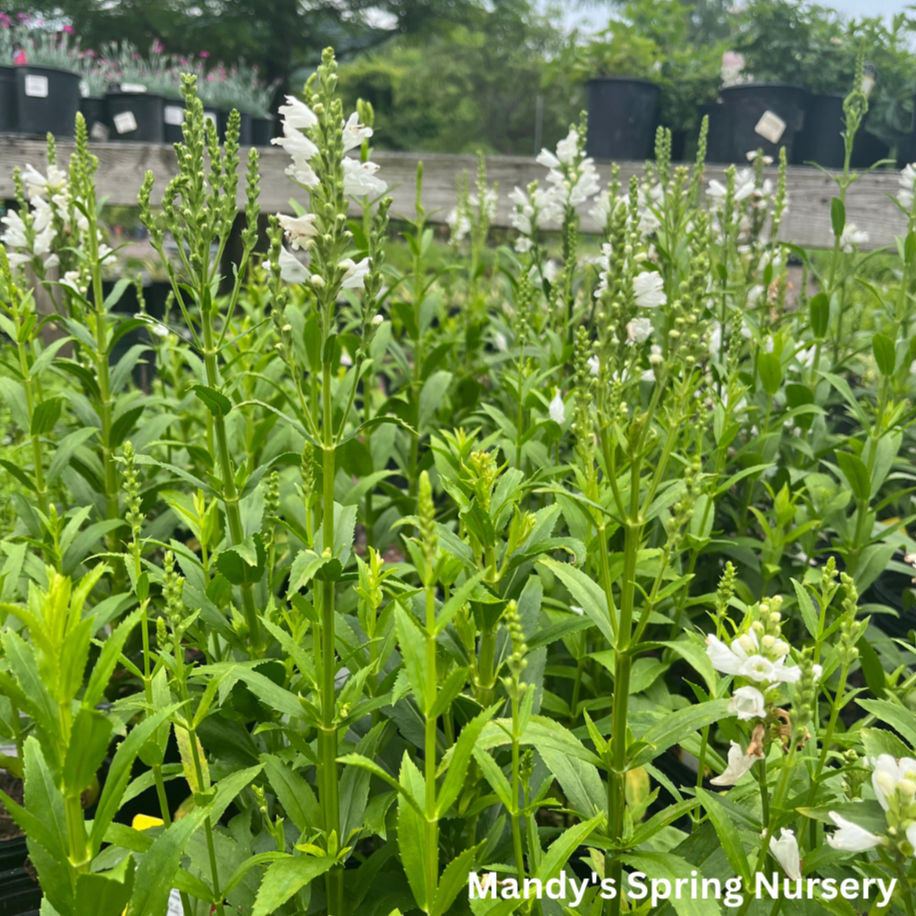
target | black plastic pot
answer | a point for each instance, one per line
(13, 853)
(95, 113)
(7, 99)
(262, 130)
(821, 141)
(173, 114)
(135, 116)
(47, 100)
(621, 116)
(717, 149)
(763, 116)
(19, 894)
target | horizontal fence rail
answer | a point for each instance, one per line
(123, 165)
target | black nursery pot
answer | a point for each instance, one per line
(19, 894)
(763, 116)
(262, 131)
(7, 100)
(173, 115)
(621, 116)
(47, 100)
(821, 140)
(95, 113)
(135, 116)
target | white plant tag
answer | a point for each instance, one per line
(8, 750)
(36, 87)
(868, 83)
(99, 131)
(174, 114)
(125, 122)
(210, 116)
(133, 87)
(770, 126)
(175, 907)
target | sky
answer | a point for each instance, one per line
(578, 14)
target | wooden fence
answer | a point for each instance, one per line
(123, 165)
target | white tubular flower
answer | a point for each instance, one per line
(14, 236)
(739, 764)
(851, 238)
(715, 338)
(748, 703)
(459, 225)
(298, 229)
(805, 356)
(500, 342)
(547, 159)
(523, 244)
(297, 114)
(851, 837)
(568, 147)
(556, 410)
(785, 851)
(639, 330)
(354, 273)
(292, 270)
(38, 185)
(758, 668)
(360, 180)
(601, 211)
(649, 291)
(354, 133)
(576, 609)
(724, 658)
(302, 173)
(295, 143)
(594, 365)
(890, 775)
(907, 182)
(911, 834)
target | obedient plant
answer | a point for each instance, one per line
(546, 577)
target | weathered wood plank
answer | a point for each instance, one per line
(123, 165)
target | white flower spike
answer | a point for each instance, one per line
(851, 837)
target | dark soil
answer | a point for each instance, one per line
(12, 787)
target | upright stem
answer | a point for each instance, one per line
(328, 745)
(432, 820)
(230, 493)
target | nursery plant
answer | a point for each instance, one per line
(535, 578)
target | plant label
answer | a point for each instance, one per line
(36, 87)
(174, 114)
(125, 122)
(175, 907)
(210, 116)
(770, 126)
(133, 87)
(99, 131)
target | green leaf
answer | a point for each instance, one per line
(898, 717)
(285, 878)
(412, 643)
(453, 879)
(459, 597)
(837, 217)
(819, 310)
(727, 833)
(461, 755)
(677, 726)
(885, 353)
(89, 740)
(243, 562)
(808, 612)
(124, 425)
(45, 416)
(19, 474)
(216, 402)
(856, 474)
(565, 845)
(108, 659)
(671, 868)
(105, 893)
(770, 369)
(587, 592)
(431, 396)
(412, 845)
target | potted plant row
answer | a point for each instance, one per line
(131, 97)
(771, 74)
(39, 85)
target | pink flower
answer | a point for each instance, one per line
(158, 47)
(69, 30)
(21, 58)
(204, 54)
